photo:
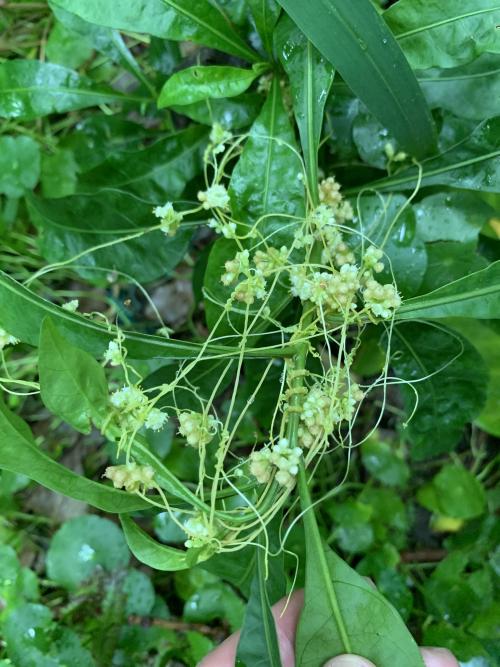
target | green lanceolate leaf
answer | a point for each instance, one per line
(265, 13)
(354, 38)
(268, 586)
(19, 165)
(156, 173)
(20, 454)
(474, 296)
(486, 339)
(470, 91)
(342, 612)
(72, 226)
(233, 112)
(468, 160)
(30, 89)
(445, 34)
(72, 383)
(22, 313)
(150, 552)
(195, 84)
(450, 379)
(310, 77)
(190, 20)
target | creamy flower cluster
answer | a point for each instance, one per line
(198, 531)
(252, 287)
(198, 428)
(334, 292)
(219, 136)
(216, 196)
(131, 477)
(381, 300)
(113, 355)
(132, 410)
(7, 339)
(280, 459)
(170, 218)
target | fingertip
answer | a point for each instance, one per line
(349, 661)
(438, 657)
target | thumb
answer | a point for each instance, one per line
(348, 661)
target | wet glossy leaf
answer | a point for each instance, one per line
(66, 47)
(310, 78)
(450, 379)
(447, 33)
(83, 545)
(156, 173)
(356, 41)
(19, 165)
(20, 454)
(470, 91)
(451, 216)
(486, 339)
(72, 383)
(265, 14)
(74, 225)
(448, 261)
(384, 462)
(195, 84)
(30, 89)
(191, 20)
(343, 613)
(232, 113)
(454, 492)
(476, 295)
(59, 174)
(212, 601)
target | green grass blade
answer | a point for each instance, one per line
(355, 39)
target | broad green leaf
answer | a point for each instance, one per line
(197, 21)
(140, 593)
(212, 601)
(454, 492)
(384, 462)
(74, 225)
(448, 261)
(33, 638)
(156, 173)
(59, 174)
(355, 39)
(83, 544)
(470, 91)
(450, 379)
(236, 567)
(20, 454)
(468, 160)
(150, 552)
(451, 216)
(72, 383)
(30, 89)
(22, 313)
(447, 33)
(486, 339)
(68, 48)
(232, 113)
(195, 84)
(265, 14)
(476, 295)
(265, 181)
(310, 78)
(353, 530)
(342, 612)
(19, 165)
(467, 648)
(268, 586)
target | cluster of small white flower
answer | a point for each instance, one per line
(198, 532)
(280, 458)
(133, 410)
(131, 477)
(271, 260)
(71, 306)
(170, 218)
(252, 287)
(218, 138)
(7, 339)
(322, 411)
(113, 355)
(329, 194)
(333, 292)
(226, 228)
(215, 196)
(381, 300)
(198, 428)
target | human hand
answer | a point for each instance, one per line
(286, 624)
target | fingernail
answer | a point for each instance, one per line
(438, 657)
(348, 661)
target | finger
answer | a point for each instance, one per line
(438, 657)
(286, 617)
(349, 661)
